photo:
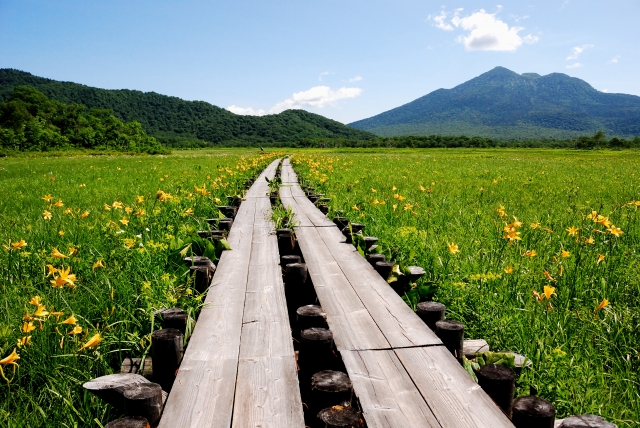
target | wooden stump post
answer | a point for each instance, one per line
(199, 261)
(286, 241)
(135, 365)
(356, 227)
(375, 258)
(290, 259)
(175, 318)
(110, 388)
(341, 222)
(533, 412)
(452, 335)
(295, 274)
(316, 350)
(431, 313)
(340, 417)
(499, 382)
(384, 269)
(203, 275)
(586, 421)
(369, 241)
(212, 234)
(311, 316)
(324, 208)
(145, 401)
(129, 422)
(330, 388)
(225, 224)
(415, 273)
(166, 352)
(234, 200)
(228, 211)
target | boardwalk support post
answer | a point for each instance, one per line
(499, 382)
(533, 412)
(175, 318)
(132, 422)
(431, 313)
(452, 335)
(166, 352)
(340, 417)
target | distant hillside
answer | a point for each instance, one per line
(506, 105)
(174, 119)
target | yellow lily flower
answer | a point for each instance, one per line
(76, 330)
(11, 359)
(97, 264)
(57, 254)
(71, 320)
(35, 301)
(28, 327)
(93, 342)
(549, 291)
(453, 248)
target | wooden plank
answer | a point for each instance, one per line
(203, 392)
(400, 325)
(312, 212)
(265, 330)
(202, 395)
(352, 326)
(299, 218)
(387, 394)
(260, 187)
(263, 395)
(455, 399)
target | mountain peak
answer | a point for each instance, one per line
(503, 104)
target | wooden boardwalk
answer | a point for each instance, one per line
(401, 373)
(239, 368)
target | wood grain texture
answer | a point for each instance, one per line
(397, 321)
(352, 326)
(311, 211)
(260, 187)
(264, 394)
(288, 201)
(387, 394)
(455, 399)
(471, 347)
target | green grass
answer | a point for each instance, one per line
(117, 301)
(584, 360)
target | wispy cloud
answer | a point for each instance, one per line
(614, 60)
(324, 73)
(355, 79)
(574, 65)
(245, 111)
(318, 96)
(577, 50)
(485, 31)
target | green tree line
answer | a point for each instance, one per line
(29, 121)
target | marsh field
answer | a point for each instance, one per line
(536, 251)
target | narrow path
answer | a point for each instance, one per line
(401, 373)
(239, 368)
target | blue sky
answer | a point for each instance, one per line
(346, 60)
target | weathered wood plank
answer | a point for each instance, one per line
(311, 211)
(299, 218)
(387, 394)
(260, 187)
(264, 394)
(202, 395)
(352, 326)
(455, 399)
(400, 325)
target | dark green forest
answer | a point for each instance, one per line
(178, 123)
(29, 121)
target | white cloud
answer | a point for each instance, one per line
(614, 60)
(574, 65)
(486, 32)
(355, 79)
(324, 73)
(577, 50)
(245, 111)
(318, 96)
(439, 21)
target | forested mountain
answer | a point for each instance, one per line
(506, 105)
(179, 122)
